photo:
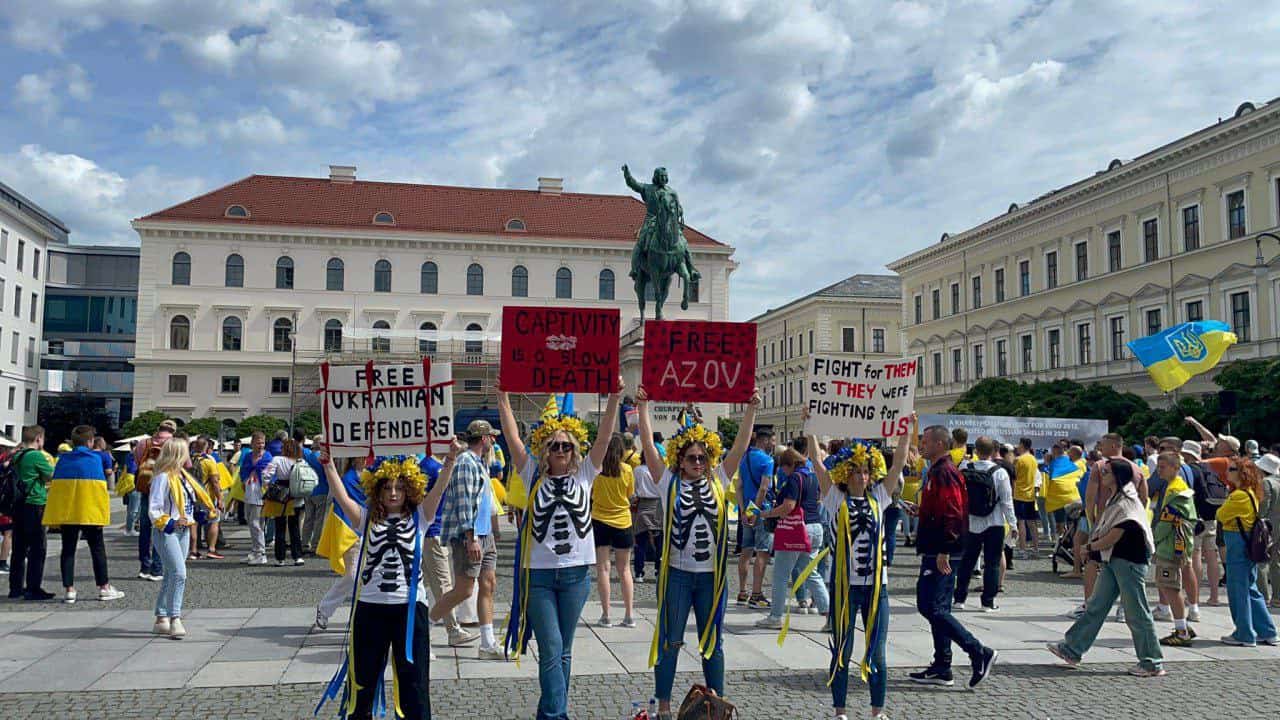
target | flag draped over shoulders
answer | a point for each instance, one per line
(1063, 486)
(339, 533)
(78, 492)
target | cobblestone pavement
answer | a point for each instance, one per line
(1036, 692)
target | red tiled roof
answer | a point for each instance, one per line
(320, 202)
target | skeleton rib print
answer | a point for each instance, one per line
(561, 507)
(693, 502)
(390, 555)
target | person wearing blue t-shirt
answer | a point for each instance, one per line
(755, 472)
(316, 506)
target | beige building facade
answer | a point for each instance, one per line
(1055, 288)
(858, 317)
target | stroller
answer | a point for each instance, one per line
(1064, 548)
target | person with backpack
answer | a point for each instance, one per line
(204, 469)
(1248, 540)
(990, 496)
(145, 455)
(79, 505)
(798, 536)
(283, 503)
(32, 470)
(1269, 572)
(316, 505)
(1210, 492)
(1174, 521)
(755, 473)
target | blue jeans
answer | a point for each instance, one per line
(1248, 607)
(148, 558)
(892, 516)
(173, 556)
(860, 601)
(133, 507)
(934, 592)
(685, 591)
(1124, 580)
(786, 561)
(556, 597)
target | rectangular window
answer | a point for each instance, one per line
(999, 285)
(791, 347)
(877, 340)
(13, 394)
(920, 371)
(977, 362)
(35, 305)
(1195, 311)
(1082, 261)
(812, 347)
(1002, 358)
(1117, 338)
(1028, 362)
(1151, 240)
(279, 385)
(31, 352)
(847, 337)
(1191, 228)
(955, 298)
(977, 291)
(1240, 315)
(801, 343)
(1084, 343)
(919, 306)
(936, 297)
(17, 301)
(1051, 270)
(26, 400)
(957, 365)
(22, 251)
(472, 385)
(1113, 251)
(1235, 218)
(13, 349)
(4, 256)
(1, 293)
(231, 384)
(1024, 278)
(1153, 322)
(177, 383)
(1055, 349)
(35, 263)
(937, 368)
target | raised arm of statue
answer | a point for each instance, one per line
(631, 182)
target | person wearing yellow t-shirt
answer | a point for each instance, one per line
(611, 495)
(1024, 498)
(1253, 624)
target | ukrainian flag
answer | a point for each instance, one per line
(1063, 487)
(1183, 351)
(78, 492)
(338, 534)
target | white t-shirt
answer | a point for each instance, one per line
(862, 521)
(561, 515)
(693, 530)
(388, 560)
(645, 487)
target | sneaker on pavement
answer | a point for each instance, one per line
(462, 637)
(258, 561)
(1162, 615)
(280, 563)
(1231, 640)
(982, 666)
(1141, 670)
(4, 568)
(742, 596)
(1176, 639)
(38, 595)
(161, 627)
(958, 607)
(933, 676)
(1271, 641)
(70, 597)
(493, 653)
(109, 593)
(1076, 613)
(769, 622)
(176, 629)
(322, 622)
(156, 578)
(604, 621)
(1058, 652)
(990, 608)
(1193, 614)
(758, 602)
(628, 622)
(299, 561)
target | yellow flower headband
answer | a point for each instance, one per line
(390, 469)
(568, 423)
(699, 434)
(856, 455)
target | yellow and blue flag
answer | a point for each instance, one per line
(1063, 486)
(78, 492)
(1175, 355)
(339, 534)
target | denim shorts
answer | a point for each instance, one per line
(756, 537)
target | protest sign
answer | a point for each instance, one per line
(1043, 432)
(557, 350)
(699, 360)
(387, 409)
(860, 398)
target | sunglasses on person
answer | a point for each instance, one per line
(562, 446)
(696, 459)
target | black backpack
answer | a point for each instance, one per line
(1258, 540)
(12, 494)
(1215, 490)
(981, 488)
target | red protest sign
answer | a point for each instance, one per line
(557, 349)
(698, 360)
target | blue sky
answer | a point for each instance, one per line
(820, 138)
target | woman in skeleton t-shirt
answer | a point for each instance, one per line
(390, 602)
(695, 544)
(555, 548)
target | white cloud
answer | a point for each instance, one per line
(40, 90)
(78, 85)
(256, 128)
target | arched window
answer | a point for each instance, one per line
(181, 269)
(384, 218)
(381, 343)
(334, 274)
(515, 225)
(519, 281)
(237, 211)
(427, 337)
(606, 284)
(382, 276)
(333, 335)
(475, 279)
(231, 333)
(474, 343)
(282, 335)
(179, 333)
(284, 273)
(564, 283)
(430, 279)
(235, 271)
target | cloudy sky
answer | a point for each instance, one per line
(820, 138)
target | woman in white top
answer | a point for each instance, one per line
(555, 547)
(695, 544)
(171, 507)
(855, 497)
(390, 602)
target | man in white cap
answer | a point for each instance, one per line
(1269, 507)
(1206, 546)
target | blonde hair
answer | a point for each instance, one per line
(544, 457)
(174, 456)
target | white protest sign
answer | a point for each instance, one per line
(387, 409)
(867, 399)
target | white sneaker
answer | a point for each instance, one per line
(1193, 614)
(70, 597)
(1075, 614)
(109, 593)
(161, 627)
(156, 578)
(627, 622)
(604, 621)
(322, 622)
(958, 606)
(299, 561)
(259, 561)
(769, 622)
(1162, 614)
(1119, 613)
(176, 630)
(280, 563)
(493, 653)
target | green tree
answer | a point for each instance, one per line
(204, 426)
(728, 429)
(309, 422)
(143, 424)
(267, 424)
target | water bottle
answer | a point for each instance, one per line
(636, 712)
(653, 709)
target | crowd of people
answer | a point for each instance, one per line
(413, 539)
